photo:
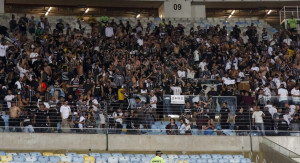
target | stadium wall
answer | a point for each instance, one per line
(289, 142)
(97, 142)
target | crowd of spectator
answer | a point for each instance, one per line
(60, 78)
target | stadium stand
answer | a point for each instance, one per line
(63, 74)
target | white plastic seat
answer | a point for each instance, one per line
(30, 158)
(11, 154)
(137, 159)
(66, 158)
(113, 160)
(124, 159)
(168, 160)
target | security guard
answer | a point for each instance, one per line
(157, 158)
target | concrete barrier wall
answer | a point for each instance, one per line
(36, 141)
(180, 143)
(289, 142)
(86, 142)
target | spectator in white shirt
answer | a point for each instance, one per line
(181, 73)
(257, 120)
(287, 40)
(202, 64)
(153, 100)
(196, 56)
(267, 92)
(283, 95)
(295, 92)
(176, 89)
(109, 31)
(254, 67)
(8, 98)
(65, 112)
(182, 127)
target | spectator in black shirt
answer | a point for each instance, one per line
(268, 121)
(242, 121)
(41, 119)
(26, 121)
(224, 116)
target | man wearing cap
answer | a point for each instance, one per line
(158, 158)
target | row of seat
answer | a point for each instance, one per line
(118, 158)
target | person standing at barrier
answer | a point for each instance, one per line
(65, 112)
(158, 158)
(257, 120)
(224, 116)
(14, 113)
(292, 23)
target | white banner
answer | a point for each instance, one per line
(177, 99)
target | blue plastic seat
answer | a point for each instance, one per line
(235, 160)
(139, 155)
(212, 160)
(191, 160)
(24, 154)
(245, 160)
(35, 154)
(71, 154)
(43, 159)
(132, 159)
(150, 155)
(101, 159)
(238, 156)
(183, 157)
(146, 159)
(116, 154)
(164, 156)
(223, 160)
(202, 160)
(128, 155)
(95, 154)
(218, 156)
(195, 156)
(205, 156)
(54, 158)
(77, 159)
(227, 157)
(2, 153)
(19, 158)
(105, 155)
